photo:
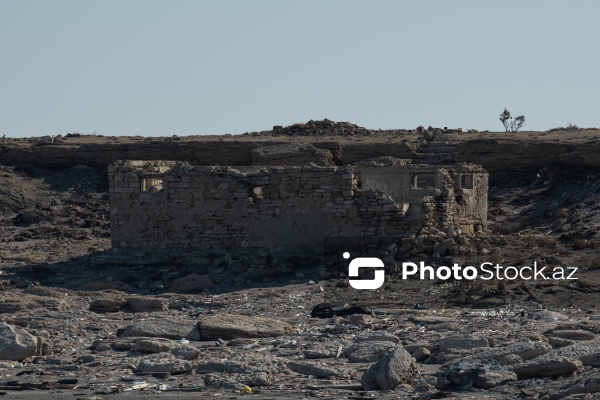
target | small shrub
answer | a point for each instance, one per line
(571, 127)
(510, 124)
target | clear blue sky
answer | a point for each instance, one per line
(153, 68)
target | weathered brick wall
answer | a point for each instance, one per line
(452, 199)
(171, 209)
(277, 209)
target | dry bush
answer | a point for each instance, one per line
(580, 244)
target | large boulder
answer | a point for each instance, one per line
(242, 363)
(583, 386)
(146, 304)
(152, 345)
(587, 352)
(181, 351)
(192, 283)
(462, 343)
(315, 369)
(395, 368)
(465, 374)
(377, 336)
(185, 352)
(28, 303)
(16, 344)
(236, 381)
(107, 305)
(162, 328)
(549, 365)
(526, 351)
(574, 334)
(164, 362)
(369, 351)
(231, 326)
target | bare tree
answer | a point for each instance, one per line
(510, 124)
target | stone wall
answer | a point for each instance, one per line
(442, 197)
(163, 209)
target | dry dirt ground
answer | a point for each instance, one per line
(58, 282)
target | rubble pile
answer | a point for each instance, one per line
(325, 127)
(437, 243)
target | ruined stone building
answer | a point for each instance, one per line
(164, 209)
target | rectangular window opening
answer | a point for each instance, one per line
(419, 181)
(466, 181)
(152, 185)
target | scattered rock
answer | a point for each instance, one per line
(152, 346)
(230, 326)
(509, 359)
(164, 363)
(15, 305)
(585, 383)
(146, 304)
(107, 305)
(526, 351)
(558, 342)
(484, 374)
(358, 319)
(236, 381)
(462, 343)
(369, 351)
(548, 316)
(573, 334)
(44, 291)
(327, 310)
(185, 352)
(396, 368)
(192, 283)
(101, 345)
(124, 344)
(168, 329)
(243, 363)
(321, 351)
(546, 366)
(314, 369)
(421, 354)
(586, 352)
(377, 336)
(16, 344)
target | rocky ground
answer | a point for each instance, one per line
(75, 323)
